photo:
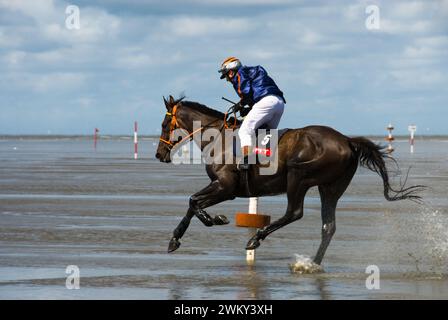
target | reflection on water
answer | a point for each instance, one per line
(62, 204)
(255, 285)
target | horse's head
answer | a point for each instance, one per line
(182, 115)
(168, 125)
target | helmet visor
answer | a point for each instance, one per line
(223, 72)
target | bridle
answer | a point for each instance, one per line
(174, 124)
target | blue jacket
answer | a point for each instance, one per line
(253, 83)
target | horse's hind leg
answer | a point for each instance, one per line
(296, 191)
(330, 195)
(328, 213)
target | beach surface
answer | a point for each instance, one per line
(63, 204)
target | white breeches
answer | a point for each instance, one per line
(267, 111)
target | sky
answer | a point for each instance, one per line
(127, 54)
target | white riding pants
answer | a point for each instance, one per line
(267, 111)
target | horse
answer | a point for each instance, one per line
(307, 157)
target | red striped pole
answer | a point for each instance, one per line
(135, 141)
(390, 138)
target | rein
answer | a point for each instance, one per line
(225, 120)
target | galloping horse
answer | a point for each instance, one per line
(307, 157)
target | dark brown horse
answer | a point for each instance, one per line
(307, 157)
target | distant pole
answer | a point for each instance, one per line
(135, 141)
(390, 138)
(412, 128)
(95, 138)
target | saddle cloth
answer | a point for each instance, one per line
(263, 142)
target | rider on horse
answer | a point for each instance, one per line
(257, 90)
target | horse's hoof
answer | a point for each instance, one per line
(219, 220)
(174, 245)
(252, 244)
(205, 218)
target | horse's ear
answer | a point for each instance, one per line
(171, 100)
(166, 103)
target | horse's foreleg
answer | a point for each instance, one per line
(212, 194)
(180, 230)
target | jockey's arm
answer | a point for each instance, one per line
(244, 88)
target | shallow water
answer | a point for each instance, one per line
(63, 204)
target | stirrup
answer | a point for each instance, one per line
(243, 165)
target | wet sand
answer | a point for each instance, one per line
(62, 204)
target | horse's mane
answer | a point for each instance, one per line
(203, 109)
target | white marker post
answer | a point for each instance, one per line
(95, 138)
(412, 128)
(253, 209)
(135, 141)
(186, 151)
(390, 138)
(254, 221)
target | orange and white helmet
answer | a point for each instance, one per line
(230, 63)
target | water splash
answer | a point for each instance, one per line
(304, 265)
(421, 236)
(434, 225)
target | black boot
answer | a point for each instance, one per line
(244, 165)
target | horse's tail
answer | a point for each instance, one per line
(372, 156)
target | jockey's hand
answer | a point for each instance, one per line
(238, 106)
(244, 111)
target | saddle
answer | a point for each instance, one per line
(264, 148)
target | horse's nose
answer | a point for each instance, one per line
(158, 155)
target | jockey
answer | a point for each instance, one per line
(257, 90)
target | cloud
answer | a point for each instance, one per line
(411, 10)
(405, 27)
(418, 79)
(227, 3)
(420, 52)
(41, 10)
(9, 41)
(14, 58)
(127, 54)
(49, 22)
(136, 57)
(49, 82)
(200, 26)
